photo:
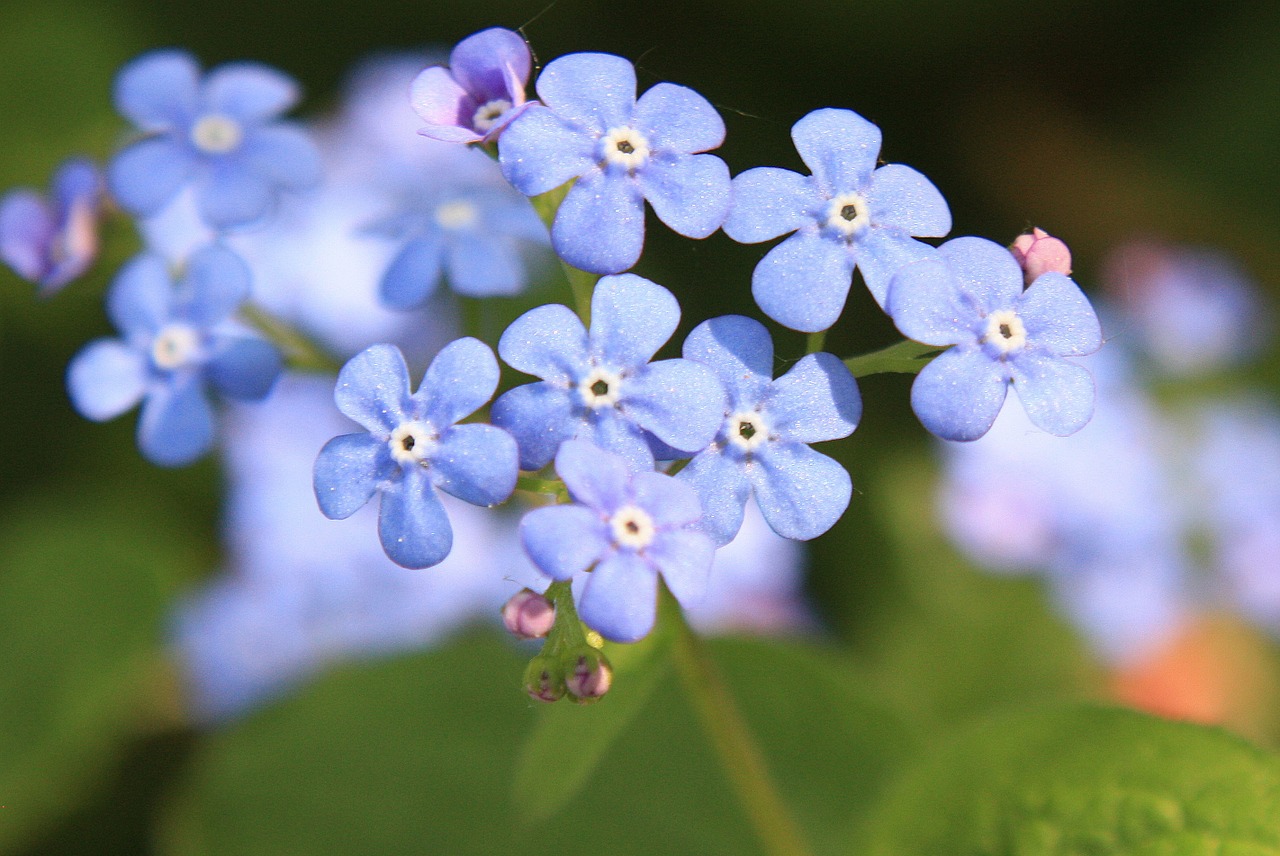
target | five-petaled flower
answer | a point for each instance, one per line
(480, 92)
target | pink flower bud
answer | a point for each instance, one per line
(589, 676)
(544, 679)
(528, 615)
(1040, 252)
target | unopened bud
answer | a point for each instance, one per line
(528, 615)
(590, 674)
(1040, 252)
(544, 678)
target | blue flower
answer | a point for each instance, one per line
(622, 152)
(626, 528)
(481, 91)
(177, 340)
(414, 447)
(219, 133)
(766, 426)
(600, 385)
(53, 244)
(970, 296)
(847, 214)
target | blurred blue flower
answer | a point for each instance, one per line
(847, 215)
(177, 339)
(622, 152)
(762, 444)
(219, 132)
(53, 242)
(414, 447)
(970, 296)
(626, 528)
(480, 92)
(600, 385)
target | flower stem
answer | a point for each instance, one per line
(581, 283)
(905, 357)
(815, 342)
(300, 352)
(723, 723)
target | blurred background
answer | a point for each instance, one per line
(1144, 134)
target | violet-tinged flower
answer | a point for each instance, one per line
(414, 447)
(971, 296)
(847, 215)
(762, 444)
(1039, 252)
(51, 242)
(590, 127)
(480, 92)
(626, 528)
(177, 341)
(219, 132)
(600, 385)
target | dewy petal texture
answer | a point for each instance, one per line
(600, 224)
(594, 90)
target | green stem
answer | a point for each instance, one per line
(567, 633)
(300, 352)
(905, 357)
(546, 487)
(581, 283)
(815, 342)
(742, 760)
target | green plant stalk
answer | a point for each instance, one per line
(815, 342)
(300, 352)
(905, 357)
(581, 283)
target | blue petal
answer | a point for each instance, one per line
(610, 429)
(540, 416)
(902, 198)
(26, 232)
(158, 89)
(77, 180)
(739, 350)
(149, 173)
(684, 557)
(445, 106)
(1058, 317)
(412, 523)
(176, 426)
(486, 62)
(985, 271)
(246, 369)
(539, 151)
(217, 282)
(769, 202)
(881, 253)
(926, 305)
(232, 194)
(484, 265)
(414, 273)
(620, 599)
(676, 119)
(803, 282)
(631, 318)
(594, 477)
(139, 302)
(668, 501)
(476, 463)
(285, 154)
(959, 394)
(839, 147)
(563, 540)
(723, 490)
(681, 402)
(106, 378)
(460, 380)
(347, 473)
(249, 92)
(600, 225)
(548, 342)
(1056, 393)
(690, 193)
(373, 388)
(595, 90)
(817, 400)
(801, 493)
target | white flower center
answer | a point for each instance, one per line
(216, 134)
(848, 214)
(601, 388)
(1005, 331)
(626, 147)
(488, 113)
(747, 430)
(457, 215)
(632, 527)
(412, 443)
(175, 346)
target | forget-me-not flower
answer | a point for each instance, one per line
(600, 385)
(53, 242)
(762, 444)
(970, 296)
(847, 214)
(219, 132)
(480, 92)
(622, 151)
(413, 447)
(177, 340)
(626, 528)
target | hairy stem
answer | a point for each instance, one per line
(905, 357)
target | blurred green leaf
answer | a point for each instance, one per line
(1083, 780)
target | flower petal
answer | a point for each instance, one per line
(347, 473)
(600, 225)
(176, 426)
(139, 302)
(373, 388)
(414, 273)
(690, 193)
(105, 379)
(460, 380)
(540, 416)
(768, 202)
(668, 501)
(902, 198)
(540, 151)
(484, 265)
(246, 369)
(149, 173)
(158, 89)
(684, 557)
(677, 119)
(959, 394)
(445, 106)
(801, 493)
(614, 432)
(723, 490)
(563, 540)
(595, 90)
(485, 64)
(412, 523)
(631, 318)
(681, 402)
(26, 232)
(476, 463)
(925, 303)
(816, 400)
(884, 252)
(232, 195)
(802, 283)
(985, 271)
(1058, 317)
(249, 91)
(285, 154)
(548, 342)
(217, 281)
(1056, 393)
(839, 147)
(739, 350)
(595, 478)
(620, 599)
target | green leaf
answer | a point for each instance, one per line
(1083, 780)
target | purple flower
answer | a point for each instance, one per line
(52, 244)
(970, 296)
(847, 214)
(176, 341)
(218, 132)
(622, 152)
(626, 528)
(414, 447)
(761, 447)
(600, 385)
(481, 91)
